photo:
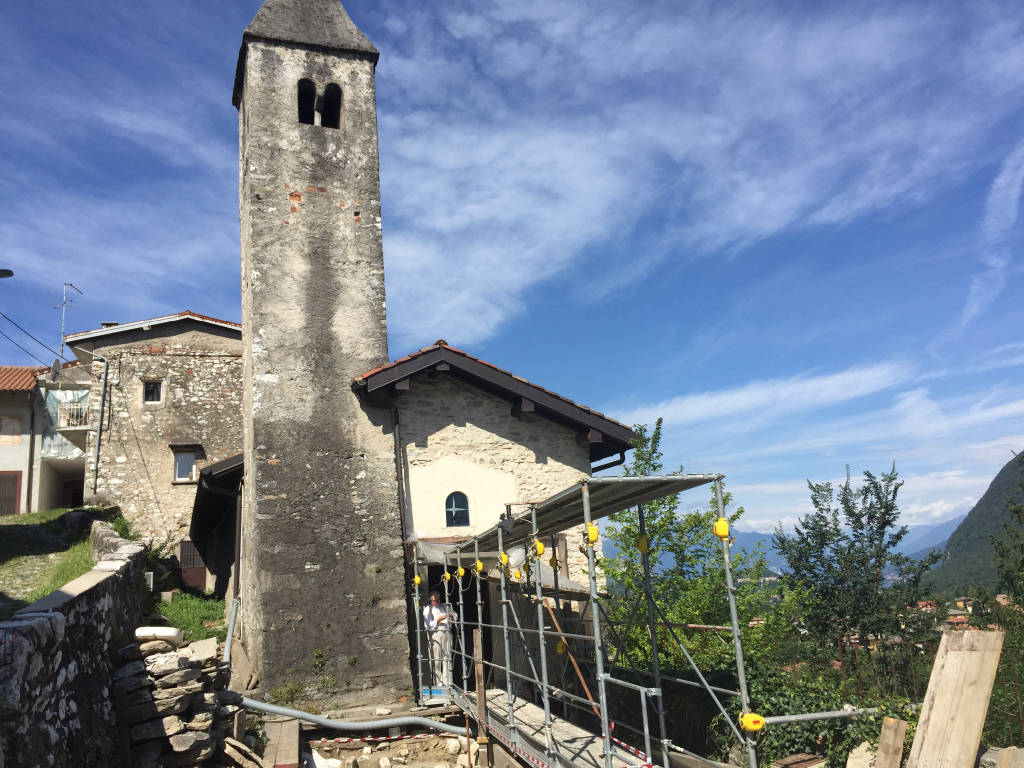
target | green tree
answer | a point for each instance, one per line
(688, 579)
(844, 555)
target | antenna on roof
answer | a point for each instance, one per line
(63, 312)
(55, 370)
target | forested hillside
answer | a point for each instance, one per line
(969, 558)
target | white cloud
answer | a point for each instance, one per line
(774, 397)
(513, 125)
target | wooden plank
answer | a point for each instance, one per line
(288, 747)
(890, 743)
(953, 715)
(272, 730)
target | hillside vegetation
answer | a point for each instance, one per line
(970, 559)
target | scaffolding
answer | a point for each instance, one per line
(563, 641)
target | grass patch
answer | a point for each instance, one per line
(76, 561)
(34, 518)
(122, 527)
(197, 616)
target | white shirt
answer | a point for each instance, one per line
(431, 614)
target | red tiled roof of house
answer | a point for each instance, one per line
(442, 343)
(19, 378)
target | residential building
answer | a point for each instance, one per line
(164, 400)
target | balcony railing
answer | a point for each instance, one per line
(72, 415)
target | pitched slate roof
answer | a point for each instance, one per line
(19, 378)
(321, 24)
(122, 327)
(614, 437)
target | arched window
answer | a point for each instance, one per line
(307, 101)
(330, 112)
(456, 509)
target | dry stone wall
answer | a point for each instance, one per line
(56, 705)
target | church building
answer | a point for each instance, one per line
(348, 458)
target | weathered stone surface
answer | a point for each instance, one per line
(203, 651)
(155, 646)
(131, 669)
(155, 708)
(130, 652)
(155, 729)
(177, 678)
(385, 762)
(148, 752)
(165, 663)
(199, 368)
(189, 740)
(309, 201)
(196, 756)
(128, 684)
(200, 721)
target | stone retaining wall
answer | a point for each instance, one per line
(56, 657)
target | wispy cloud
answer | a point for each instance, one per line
(709, 130)
(774, 397)
(1002, 210)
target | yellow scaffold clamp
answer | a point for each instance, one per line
(553, 562)
(447, 576)
(642, 545)
(540, 547)
(504, 558)
(751, 721)
(461, 572)
(722, 528)
(592, 534)
(416, 580)
(561, 648)
(516, 574)
(479, 566)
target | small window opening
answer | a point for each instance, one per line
(330, 111)
(456, 510)
(307, 101)
(151, 391)
(184, 466)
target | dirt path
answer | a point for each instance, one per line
(28, 554)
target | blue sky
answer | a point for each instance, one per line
(791, 229)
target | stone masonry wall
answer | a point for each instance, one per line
(457, 437)
(56, 657)
(200, 373)
(321, 572)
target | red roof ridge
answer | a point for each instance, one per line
(442, 343)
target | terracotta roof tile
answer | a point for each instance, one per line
(19, 378)
(442, 343)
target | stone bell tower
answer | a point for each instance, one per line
(321, 575)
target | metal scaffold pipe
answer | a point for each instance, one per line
(741, 672)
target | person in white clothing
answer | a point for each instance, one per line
(438, 618)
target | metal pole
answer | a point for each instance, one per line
(596, 618)
(652, 628)
(504, 632)
(461, 621)
(543, 644)
(445, 580)
(741, 672)
(99, 428)
(418, 624)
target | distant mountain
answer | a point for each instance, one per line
(969, 558)
(922, 539)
